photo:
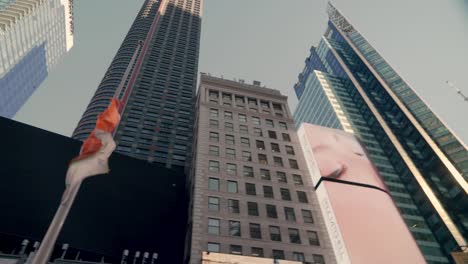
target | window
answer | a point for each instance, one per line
(214, 166)
(275, 147)
(214, 113)
(239, 100)
(293, 164)
(285, 194)
(302, 197)
(297, 256)
(214, 94)
(242, 118)
(260, 144)
(283, 125)
(228, 127)
(257, 252)
(278, 254)
(232, 186)
(248, 171)
(250, 189)
(289, 150)
(235, 249)
(297, 179)
(255, 231)
(214, 123)
(230, 140)
(243, 129)
(214, 137)
(286, 137)
(313, 238)
(234, 228)
(231, 169)
(252, 101)
(318, 259)
(289, 214)
(269, 123)
(268, 191)
(227, 96)
(278, 161)
(213, 226)
(252, 208)
(213, 247)
(213, 184)
(246, 156)
(230, 153)
(307, 216)
(255, 120)
(275, 233)
(227, 115)
(258, 132)
(213, 203)
(233, 206)
(245, 142)
(277, 107)
(271, 211)
(294, 236)
(272, 134)
(214, 150)
(265, 174)
(281, 176)
(262, 159)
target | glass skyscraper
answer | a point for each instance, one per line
(34, 35)
(346, 84)
(157, 122)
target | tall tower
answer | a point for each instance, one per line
(157, 121)
(251, 195)
(346, 84)
(34, 35)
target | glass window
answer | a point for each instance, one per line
(265, 174)
(258, 132)
(235, 249)
(281, 176)
(214, 166)
(230, 139)
(213, 184)
(278, 161)
(214, 113)
(246, 156)
(318, 259)
(302, 197)
(252, 101)
(214, 150)
(278, 254)
(272, 134)
(228, 127)
(289, 214)
(248, 171)
(213, 203)
(243, 129)
(214, 94)
(255, 231)
(262, 159)
(257, 252)
(313, 238)
(289, 150)
(297, 179)
(214, 123)
(283, 125)
(271, 211)
(285, 194)
(233, 206)
(286, 137)
(268, 191)
(231, 169)
(239, 100)
(214, 137)
(293, 164)
(230, 153)
(255, 120)
(213, 226)
(242, 118)
(234, 228)
(275, 233)
(275, 147)
(250, 189)
(245, 142)
(298, 256)
(260, 144)
(265, 104)
(277, 107)
(227, 115)
(232, 186)
(213, 247)
(307, 216)
(269, 123)
(227, 97)
(294, 236)
(252, 208)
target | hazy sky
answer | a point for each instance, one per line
(268, 40)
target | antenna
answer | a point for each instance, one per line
(465, 98)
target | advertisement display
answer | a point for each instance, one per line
(362, 220)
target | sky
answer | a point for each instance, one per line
(268, 40)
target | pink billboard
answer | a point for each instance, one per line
(362, 220)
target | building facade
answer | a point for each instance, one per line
(34, 36)
(251, 194)
(347, 85)
(157, 121)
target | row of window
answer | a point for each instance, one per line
(214, 114)
(244, 130)
(259, 144)
(241, 102)
(214, 165)
(250, 189)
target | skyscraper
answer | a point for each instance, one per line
(251, 194)
(156, 124)
(346, 84)
(34, 35)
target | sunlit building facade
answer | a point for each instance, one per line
(347, 85)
